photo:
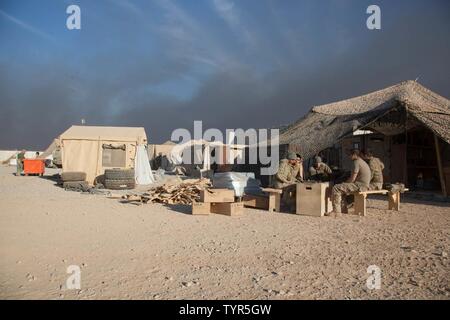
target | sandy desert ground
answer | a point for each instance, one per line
(155, 252)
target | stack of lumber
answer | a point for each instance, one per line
(184, 193)
(195, 192)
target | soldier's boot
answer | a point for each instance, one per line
(336, 200)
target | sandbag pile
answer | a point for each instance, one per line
(74, 181)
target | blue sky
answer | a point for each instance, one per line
(162, 64)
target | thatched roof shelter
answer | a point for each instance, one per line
(389, 111)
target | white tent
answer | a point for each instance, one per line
(199, 151)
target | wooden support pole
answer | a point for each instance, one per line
(360, 204)
(394, 201)
(274, 202)
(439, 163)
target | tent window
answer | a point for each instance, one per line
(114, 155)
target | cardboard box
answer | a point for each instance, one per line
(200, 208)
(254, 201)
(217, 195)
(313, 198)
(227, 208)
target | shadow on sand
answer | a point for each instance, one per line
(179, 208)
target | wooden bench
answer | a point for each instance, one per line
(360, 200)
(274, 199)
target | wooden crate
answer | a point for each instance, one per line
(217, 195)
(313, 198)
(201, 208)
(270, 201)
(227, 208)
(255, 201)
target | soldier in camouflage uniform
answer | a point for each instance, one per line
(20, 158)
(320, 170)
(376, 168)
(288, 172)
(299, 168)
(358, 181)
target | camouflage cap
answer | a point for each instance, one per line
(291, 156)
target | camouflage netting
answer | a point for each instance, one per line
(403, 106)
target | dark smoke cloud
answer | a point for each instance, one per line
(39, 103)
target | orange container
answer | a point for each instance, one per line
(33, 166)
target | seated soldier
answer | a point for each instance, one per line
(288, 172)
(320, 170)
(358, 181)
(299, 168)
(376, 168)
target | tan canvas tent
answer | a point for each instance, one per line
(50, 149)
(93, 149)
(156, 149)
